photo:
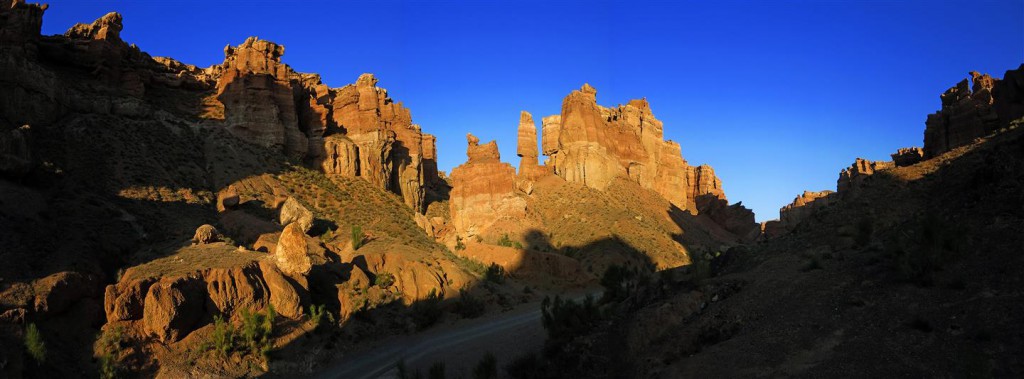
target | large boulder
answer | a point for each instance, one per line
(294, 212)
(206, 234)
(292, 254)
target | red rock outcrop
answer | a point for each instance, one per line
(860, 170)
(107, 28)
(483, 190)
(974, 108)
(907, 156)
(389, 149)
(592, 144)
(256, 91)
(529, 168)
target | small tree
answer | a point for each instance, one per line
(495, 273)
(34, 344)
(357, 237)
(318, 313)
(427, 311)
(487, 368)
(223, 338)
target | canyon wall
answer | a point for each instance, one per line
(974, 108)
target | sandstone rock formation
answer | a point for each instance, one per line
(860, 170)
(294, 212)
(293, 251)
(107, 28)
(974, 108)
(205, 234)
(592, 144)
(907, 156)
(803, 206)
(256, 92)
(483, 190)
(20, 22)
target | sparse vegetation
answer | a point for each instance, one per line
(919, 256)
(616, 282)
(257, 331)
(357, 237)
(495, 273)
(468, 306)
(223, 338)
(508, 242)
(384, 280)
(34, 344)
(427, 311)
(318, 314)
(459, 245)
(487, 368)
(108, 345)
(566, 319)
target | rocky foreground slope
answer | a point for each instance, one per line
(162, 219)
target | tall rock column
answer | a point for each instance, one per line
(483, 190)
(257, 96)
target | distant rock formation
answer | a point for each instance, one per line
(974, 108)
(355, 131)
(483, 190)
(907, 156)
(592, 144)
(852, 176)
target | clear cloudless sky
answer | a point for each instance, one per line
(778, 96)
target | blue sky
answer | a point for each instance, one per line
(777, 96)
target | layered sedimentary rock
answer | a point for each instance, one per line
(483, 190)
(592, 144)
(907, 156)
(860, 170)
(256, 91)
(974, 108)
(804, 205)
(390, 150)
(529, 165)
(106, 28)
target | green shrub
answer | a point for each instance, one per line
(357, 237)
(384, 280)
(566, 319)
(615, 282)
(458, 244)
(108, 345)
(487, 368)
(34, 344)
(223, 338)
(469, 306)
(257, 331)
(495, 273)
(436, 371)
(319, 313)
(427, 311)
(505, 241)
